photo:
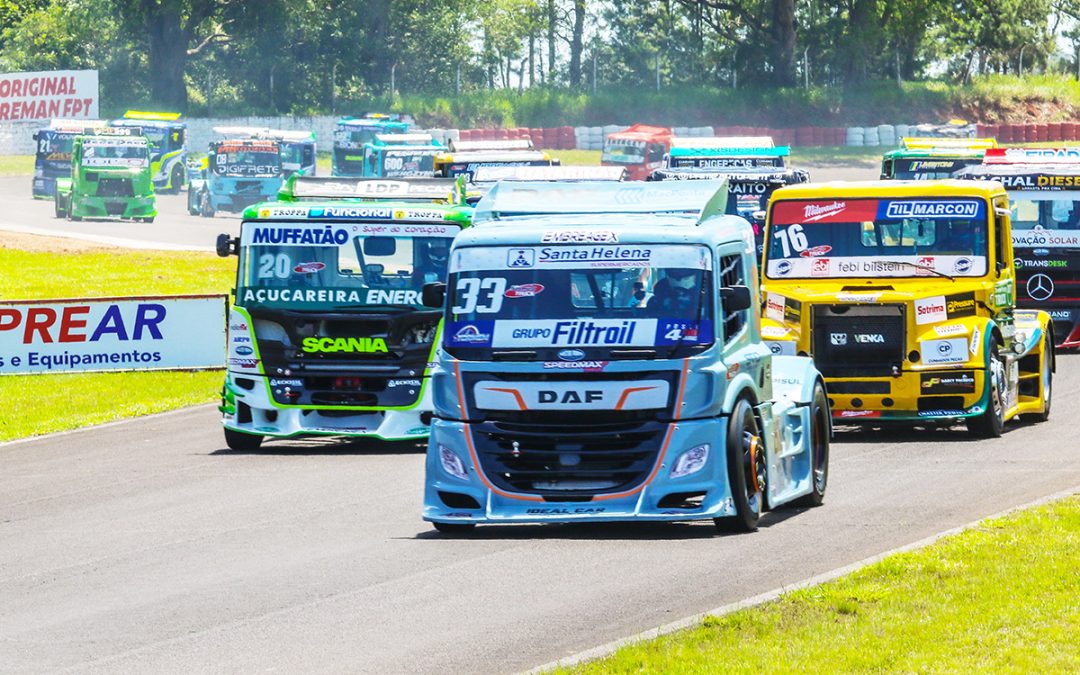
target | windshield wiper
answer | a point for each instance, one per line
(928, 268)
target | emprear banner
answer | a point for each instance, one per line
(151, 333)
(71, 94)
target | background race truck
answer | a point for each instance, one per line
(52, 153)
(297, 147)
(1044, 193)
(904, 294)
(327, 335)
(639, 149)
(601, 360)
(465, 157)
(110, 178)
(450, 191)
(748, 190)
(167, 152)
(352, 133)
(721, 153)
(933, 158)
(401, 155)
(238, 173)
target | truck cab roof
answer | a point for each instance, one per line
(891, 188)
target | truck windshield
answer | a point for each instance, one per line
(53, 146)
(877, 238)
(586, 297)
(930, 168)
(351, 266)
(248, 163)
(624, 152)
(113, 154)
(1045, 219)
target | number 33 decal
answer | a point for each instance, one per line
(483, 296)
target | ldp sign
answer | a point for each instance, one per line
(71, 94)
(152, 333)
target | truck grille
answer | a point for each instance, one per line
(114, 187)
(568, 462)
(858, 341)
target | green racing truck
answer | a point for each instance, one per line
(327, 334)
(110, 178)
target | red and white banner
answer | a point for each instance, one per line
(71, 94)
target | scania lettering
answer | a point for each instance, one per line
(332, 306)
(916, 280)
(623, 387)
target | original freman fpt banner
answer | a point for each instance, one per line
(71, 94)
(101, 334)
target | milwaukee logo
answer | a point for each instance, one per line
(817, 212)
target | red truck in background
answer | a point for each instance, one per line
(640, 149)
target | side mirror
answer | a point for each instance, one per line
(735, 298)
(433, 295)
(227, 245)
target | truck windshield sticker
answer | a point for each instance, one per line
(580, 296)
(877, 238)
(306, 266)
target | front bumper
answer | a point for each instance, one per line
(113, 207)
(475, 499)
(252, 411)
(914, 396)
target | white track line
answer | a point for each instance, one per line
(101, 239)
(695, 620)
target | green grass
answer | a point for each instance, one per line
(1003, 597)
(577, 157)
(16, 165)
(39, 404)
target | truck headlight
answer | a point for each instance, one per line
(691, 461)
(452, 464)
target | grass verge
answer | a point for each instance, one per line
(1001, 597)
(41, 267)
(16, 165)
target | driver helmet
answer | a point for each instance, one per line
(438, 252)
(682, 278)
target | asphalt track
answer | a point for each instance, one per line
(145, 546)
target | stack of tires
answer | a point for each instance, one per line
(887, 135)
(855, 137)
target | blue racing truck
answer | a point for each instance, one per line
(167, 151)
(327, 335)
(237, 174)
(52, 153)
(401, 156)
(725, 153)
(351, 134)
(602, 360)
(298, 148)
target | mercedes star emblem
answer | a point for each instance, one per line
(1040, 287)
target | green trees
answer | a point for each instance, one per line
(304, 56)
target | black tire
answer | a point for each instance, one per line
(454, 528)
(1046, 380)
(238, 440)
(991, 423)
(206, 210)
(177, 180)
(820, 421)
(192, 205)
(746, 470)
(60, 213)
(147, 220)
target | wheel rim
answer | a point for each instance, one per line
(753, 469)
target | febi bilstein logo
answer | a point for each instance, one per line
(346, 345)
(931, 209)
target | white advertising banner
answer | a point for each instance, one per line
(71, 94)
(100, 334)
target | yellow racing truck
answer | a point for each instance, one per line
(904, 293)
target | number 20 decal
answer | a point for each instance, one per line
(792, 239)
(483, 296)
